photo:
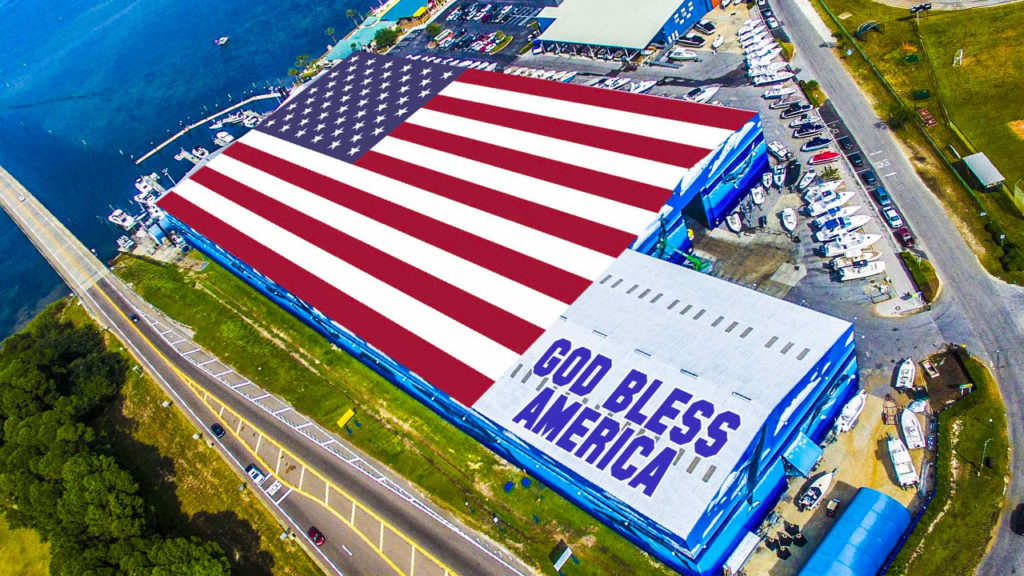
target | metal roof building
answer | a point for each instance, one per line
(983, 171)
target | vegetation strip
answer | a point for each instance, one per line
(923, 273)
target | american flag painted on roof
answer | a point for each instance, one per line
(446, 216)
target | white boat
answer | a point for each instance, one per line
(769, 69)
(779, 175)
(222, 40)
(754, 38)
(858, 272)
(773, 78)
(200, 152)
(121, 219)
(836, 212)
(705, 95)
(848, 244)
(902, 463)
(757, 195)
(145, 198)
(839, 226)
(680, 54)
(788, 219)
(815, 492)
(919, 406)
(826, 193)
(142, 185)
(734, 222)
(806, 180)
(757, 47)
(906, 374)
(808, 130)
(766, 180)
(777, 92)
(750, 26)
(641, 87)
(804, 120)
(851, 412)
(859, 258)
(778, 150)
(719, 40)
(912, 433)
(764, 56)
(223, 138)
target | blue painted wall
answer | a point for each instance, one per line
(688, 13)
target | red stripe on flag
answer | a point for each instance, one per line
(599, 237)
(528, 271)
(590, 181)
(499, 325)
(626, 143)
(441, 370)
(671, 109)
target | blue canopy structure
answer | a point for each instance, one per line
(802, 455)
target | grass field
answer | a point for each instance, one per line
(978, 98)
(955, 530)
(21, 552)
(924, 275)
(283, 355)
(192, 490)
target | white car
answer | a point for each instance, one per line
(21, 198)
(255, 473)
(893, 218)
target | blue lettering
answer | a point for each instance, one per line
(622, 469)
(598, 439)
(719, 437)
(528, 415)
(667, 410)
(623, 395)
(571, 366)
(654, 471)
(691, 422)
(635, 414)
(554, 420)
(595, 372)
(610, 454)
(551, 357)
(579, 427)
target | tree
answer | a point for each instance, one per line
(188, 557)
(433, 29)
(330, 32)
(899, 116)
(385, 38)
(100, 499)
(353, 15)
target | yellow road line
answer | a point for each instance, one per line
(200, 391)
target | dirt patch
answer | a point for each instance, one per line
(1018, 128)
(944, 388)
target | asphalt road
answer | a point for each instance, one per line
(974, 308)
(345, 552)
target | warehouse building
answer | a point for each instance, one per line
(502, 249)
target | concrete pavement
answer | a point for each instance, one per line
(974, 308)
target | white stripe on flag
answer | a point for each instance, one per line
(605, 161)
(707, 137)
(555, 196)
(507, 294)
(462, 343)
(563, 254)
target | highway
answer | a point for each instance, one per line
(370, 528)
(974, 308)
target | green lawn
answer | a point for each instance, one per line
(21, 552)
(286, 357)
(193, 491)
(923, 273)
(978, 97)
(955, 530)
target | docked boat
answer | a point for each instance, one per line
(857, 272)
(816, 143)
(779, 175)
(788, 219)
(121, 219)
(848, 244)
(223, 138)
(717, 42)
(145, 198)
(778, 150)
(860, 258)
(702, 94)
(734, 222)
(902, 463)
(757, 195)
(680, 54)
(913, 435)
(642, 86)
(823, 192)
(839, 226)
(142, 185)
(906, 374)
(795, 109)
(832, 213)
(851, 412)
(804, 120)
(222, 40)
(808, 131)
(823, 157)
(200, 152)
(808, 177)
(815, 492)
(778, 92)
(766, 180)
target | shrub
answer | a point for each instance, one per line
(433, 29)
(385, 38)
(787, 50)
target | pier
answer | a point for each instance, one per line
(209, 118)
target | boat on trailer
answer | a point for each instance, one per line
(848, 244)
(860, 258)
(788, 219)
(902, 463)
(734, 222)
(906, 374)
(857, 272)
(757, 195)
(851, 412)
(814, 494)
(913, 435)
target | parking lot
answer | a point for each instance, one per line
(469, 31)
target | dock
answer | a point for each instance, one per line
(209, 118)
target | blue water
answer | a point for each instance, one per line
(84, 85)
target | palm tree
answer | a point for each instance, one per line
(352, 14)
(330, 32)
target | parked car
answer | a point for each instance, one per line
(905, 237)
(315, 536)
(832, 508)
(883, 197)
(846, 143)
(892, 217)
(869, 178)
(217, 430)
(856, 160)
(255, 473)
(1017, 520)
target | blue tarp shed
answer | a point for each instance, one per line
(802, 455)
(405, 9)
(863, 537)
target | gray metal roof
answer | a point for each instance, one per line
(618, 23)
(740, 350)
(983, 169)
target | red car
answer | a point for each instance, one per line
(315, 536)
(905, 237)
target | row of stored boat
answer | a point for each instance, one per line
(760, 49)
